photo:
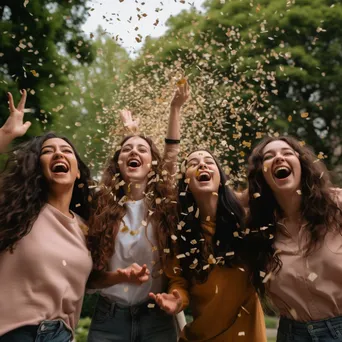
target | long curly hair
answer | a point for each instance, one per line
(318, 207)
(109, 209)
(24, 190)
(227, 240)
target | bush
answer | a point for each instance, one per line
(82, 329)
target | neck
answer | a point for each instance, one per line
(290, 205)
(61, 201)
(207, 207)
(135, 191)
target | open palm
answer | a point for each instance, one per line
(15, 126)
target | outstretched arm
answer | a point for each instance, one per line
(133, 274)
(173, 131)
(14, 126)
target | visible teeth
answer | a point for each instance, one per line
(281, 168)
(60, 164)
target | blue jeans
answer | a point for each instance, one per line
(326, 330)
(52, 331)
(113, 322)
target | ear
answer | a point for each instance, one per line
(78, 174)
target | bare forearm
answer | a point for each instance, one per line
(103, 279)
(5, 140)
(173, 130)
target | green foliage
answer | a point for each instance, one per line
(40, 42)
(271, 61)
(82, 329)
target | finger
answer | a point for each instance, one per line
(26, 126)
(142, 271)
(176, 294)
(22, 102)
(152, 296)
(10, 102)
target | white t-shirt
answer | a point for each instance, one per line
(140, 248)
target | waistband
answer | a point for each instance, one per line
(145, 307)
(329, 325)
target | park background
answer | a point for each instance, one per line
(255, 67)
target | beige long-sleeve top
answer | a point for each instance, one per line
(225, 307)
(45, 277)
(308, 287)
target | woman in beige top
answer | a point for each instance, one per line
(44, 261)
(295, 226)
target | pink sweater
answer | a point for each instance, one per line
(46, 275)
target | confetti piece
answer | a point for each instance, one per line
(312, 276)
(151, 305)
(256, 195)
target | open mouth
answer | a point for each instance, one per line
(134, 163)
(204, 177)
(60, 168)
(282, 172)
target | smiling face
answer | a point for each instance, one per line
(202, 173)
(58, 162)
(281, 167)
(135, 160)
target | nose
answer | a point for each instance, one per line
(58, 154)
(279, 158)
(203, 165)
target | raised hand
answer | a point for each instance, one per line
(128, 122)
(14, 126)
(171, 303)
(134, 274)
(182, 94)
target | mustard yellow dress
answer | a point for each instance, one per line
(225, 308)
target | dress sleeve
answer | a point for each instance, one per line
(177, 282)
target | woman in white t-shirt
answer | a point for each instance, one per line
(129, 233)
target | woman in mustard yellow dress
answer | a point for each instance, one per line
(210, 273)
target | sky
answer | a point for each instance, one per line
(106, 13)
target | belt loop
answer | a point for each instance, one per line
(331, 329)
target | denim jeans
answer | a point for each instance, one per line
(114, 322)
(52, 331)
(326, 330)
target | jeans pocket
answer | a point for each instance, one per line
(53, 331)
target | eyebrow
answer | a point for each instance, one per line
(282, 149)
(195, 158)
(53, 146)
(130, 145)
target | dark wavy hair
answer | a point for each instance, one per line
(229, 220)
(24, 191)
(318, 207)
(108, 211)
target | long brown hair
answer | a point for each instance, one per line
(318, 206)
(226, 245)
(24, 191)
(106, 217)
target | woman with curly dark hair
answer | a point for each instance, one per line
(211, 274)
(129, 231)
(295, 227)
(44, 260)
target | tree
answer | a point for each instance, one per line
(257, 68)
(91, 100)
(38, 40)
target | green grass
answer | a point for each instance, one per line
(271, 322)
(271, 339)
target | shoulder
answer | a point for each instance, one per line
(82, 224)
(336, 194)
